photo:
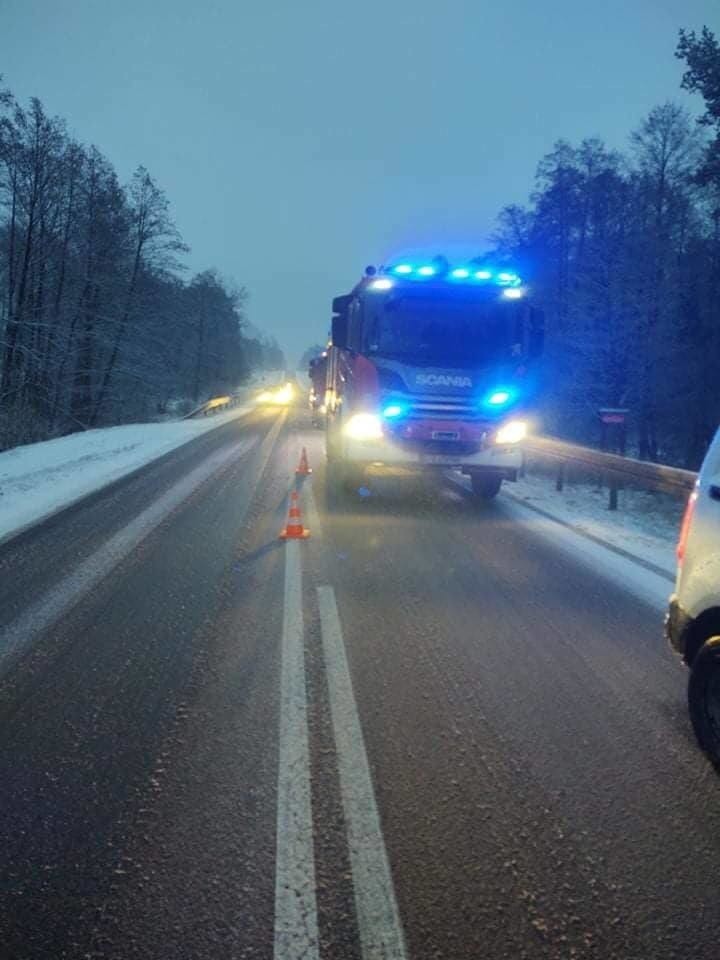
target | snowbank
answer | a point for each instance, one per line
(645, 524)
(39, 479)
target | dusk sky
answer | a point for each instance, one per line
(298, 142)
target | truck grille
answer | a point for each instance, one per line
(439, 408)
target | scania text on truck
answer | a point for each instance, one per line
(432, 367)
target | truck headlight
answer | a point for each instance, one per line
(512, 432)
(363, 426)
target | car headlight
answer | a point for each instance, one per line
(281, 396)
(363, 426)
(512, 432)
(284, 395)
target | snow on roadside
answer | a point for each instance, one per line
(645, 524)
(39, 479)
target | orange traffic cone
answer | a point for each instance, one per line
(294, 529)
(303, 469)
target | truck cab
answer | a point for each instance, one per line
(432, 368)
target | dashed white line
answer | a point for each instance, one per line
(296, 933)
(381, 934)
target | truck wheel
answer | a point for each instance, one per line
(353, 477)
(704, 698)
(345, 478)
(485, 485)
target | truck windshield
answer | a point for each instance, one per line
(458, 333)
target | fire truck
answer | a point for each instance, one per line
(432, 367)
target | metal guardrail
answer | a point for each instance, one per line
(613, 467)
(216, 403)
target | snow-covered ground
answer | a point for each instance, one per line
(39, 479)
(645, 524)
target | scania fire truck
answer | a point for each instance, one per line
(432, 367)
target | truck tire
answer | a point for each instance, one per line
(353, 477)
(704, 698)
(345, 478)
(485, 485)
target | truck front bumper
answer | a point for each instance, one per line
(384, 453)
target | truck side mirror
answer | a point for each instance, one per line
(536, 340)
(340, 330)
(340, 304)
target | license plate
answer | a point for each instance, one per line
(445, 435)
(437, 458)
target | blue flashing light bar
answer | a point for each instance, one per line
(507, 279)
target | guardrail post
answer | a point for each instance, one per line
(613, 494)
(560, 479)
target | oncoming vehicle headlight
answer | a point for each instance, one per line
(363, 426)
(282, 396)
(512, 432)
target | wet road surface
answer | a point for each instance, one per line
(429, 731)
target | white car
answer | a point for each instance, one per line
(693, 621)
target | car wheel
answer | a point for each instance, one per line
(704, 698)
(485, 485)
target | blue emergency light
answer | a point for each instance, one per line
(499, 398)
(469, 273)
(394, 410)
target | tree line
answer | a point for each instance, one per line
(97, 323)
(623, 253)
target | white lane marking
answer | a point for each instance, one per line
(381, 934)
(296, 933)
(16, 636)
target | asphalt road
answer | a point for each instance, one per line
(429, 731)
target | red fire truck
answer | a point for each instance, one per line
(432, 367)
